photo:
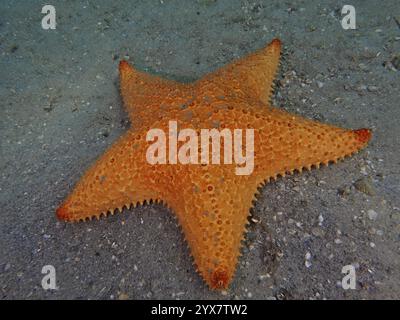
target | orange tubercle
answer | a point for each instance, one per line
(363, 135)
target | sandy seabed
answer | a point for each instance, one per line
(60, 109)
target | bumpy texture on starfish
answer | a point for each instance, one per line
(211, 202)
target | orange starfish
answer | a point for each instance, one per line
(211, 202)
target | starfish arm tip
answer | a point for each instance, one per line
(62, 213)
(276, 42)
(363, 134)
(124, 66)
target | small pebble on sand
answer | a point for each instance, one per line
(372, 214)
(365, 185)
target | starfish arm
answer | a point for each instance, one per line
(120, 177)
(146, 96)
(212, 209)
(251, 76)
(293, 143)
